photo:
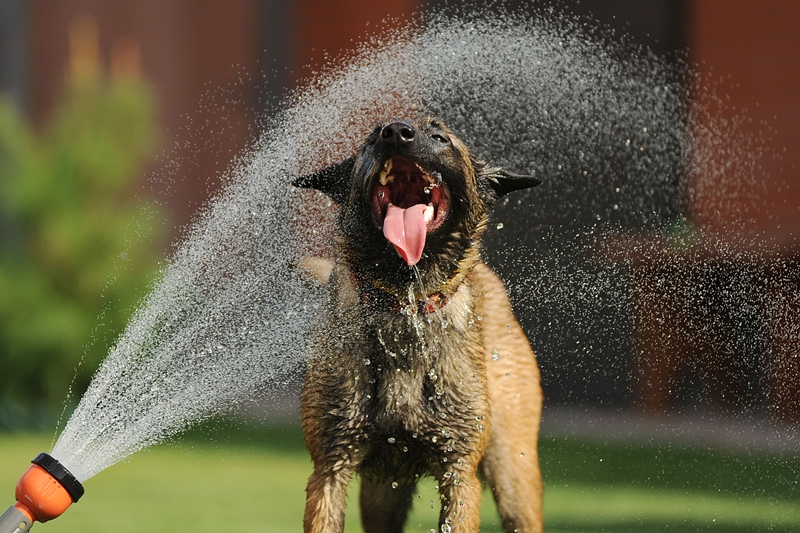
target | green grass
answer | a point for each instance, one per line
(254, 479)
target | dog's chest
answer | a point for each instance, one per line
(425, 373)
(425, 396)
(399, 387)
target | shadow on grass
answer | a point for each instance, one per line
(670, 468)
(649, 526)
(570, 460)
(274, 436)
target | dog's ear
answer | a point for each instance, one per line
(333, 180)
(501, 182)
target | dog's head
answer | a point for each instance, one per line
(412, 195)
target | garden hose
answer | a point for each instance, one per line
(43, 492)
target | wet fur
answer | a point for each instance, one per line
(393, 396)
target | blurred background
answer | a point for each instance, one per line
(119, 119)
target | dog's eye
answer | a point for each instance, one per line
(440, 138)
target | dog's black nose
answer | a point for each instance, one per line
(398, 133)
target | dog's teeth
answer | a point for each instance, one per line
(384, 176)
(428, 213)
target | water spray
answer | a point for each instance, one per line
(228, 319)
(43, 492)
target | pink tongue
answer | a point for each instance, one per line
(406, 230)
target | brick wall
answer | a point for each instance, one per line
(752, 51)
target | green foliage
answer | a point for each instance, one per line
(76, 244)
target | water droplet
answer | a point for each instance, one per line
(495, 354)
(391, 440)
(394, 484)
(499, 225)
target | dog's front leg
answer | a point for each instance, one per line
(460, 491)
(334, 431)
(325, 501)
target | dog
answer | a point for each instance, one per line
(418, 365)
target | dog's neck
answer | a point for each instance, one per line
(418, 298)
(378, 297)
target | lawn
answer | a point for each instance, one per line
(253, 480)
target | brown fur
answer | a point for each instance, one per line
(392, 393)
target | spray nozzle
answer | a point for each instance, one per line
(43, 492)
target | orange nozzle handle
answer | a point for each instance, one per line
(46, 489)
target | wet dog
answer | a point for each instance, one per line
(418, 364)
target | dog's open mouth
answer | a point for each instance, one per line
(407, 204)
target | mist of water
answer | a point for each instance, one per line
(604, 124)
